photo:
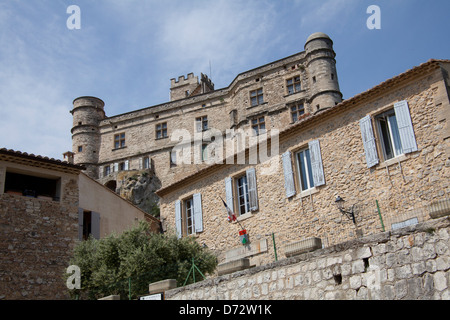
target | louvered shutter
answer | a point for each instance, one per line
(368, 138)
(178, 218)
(80, 223)
(289, 185)
(116, 167)
(127, 165)
(316, 163)
(229, 192)
(252, 189)
(198, 214)
(95, 225)
(405, 127)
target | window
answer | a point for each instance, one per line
(395, 133)
(80, 148)
(258, 125)
(204, 151)
(201, 124)
(304, 170)
(242, 195)
(307, 170)
(107, 170)
(146, 163)
(161, 130)
(189, 216)
(256, 97)
(31, 186)
(293, 85)
(296, 111)
(88, 224)
(173, 158)
(241, 192)
(189, 213)
(389, 135)
(119, 140)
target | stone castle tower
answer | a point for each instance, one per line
(321, 67)
(87, 113)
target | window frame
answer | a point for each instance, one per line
(238, 195)
(188, 221)
(391, 138)
(201, 124)
(258, 95)
(296, 85)
(161, 128)
(119, 140)
(297, 112)
(304, 177)
(258, 126)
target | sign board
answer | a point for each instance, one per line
(156, 296)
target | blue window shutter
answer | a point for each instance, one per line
(229, 192)
(198, 214)
(289, 185)
(316, 163)
(405, 127)
(368, 138)
(252, 190)
(178, 218)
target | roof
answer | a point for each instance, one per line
(420, 70)
(39, 161)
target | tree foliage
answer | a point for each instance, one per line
(134, 259)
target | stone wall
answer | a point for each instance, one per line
(405, 264)
(37, 241)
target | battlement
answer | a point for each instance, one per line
(189, 86)
(182, 80)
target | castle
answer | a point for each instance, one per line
(386, 151)
(274, 95)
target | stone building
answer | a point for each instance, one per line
(46, 207)
(117, 148)
(385, 151)
(387, 147)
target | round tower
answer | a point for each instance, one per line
(321, 67)
(87, 113)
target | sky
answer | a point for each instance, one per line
(126, 51)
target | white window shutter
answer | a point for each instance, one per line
(127, 165)
(95, 225)
(141, 163)
(252, 189)
(178, 218)
(316, 163)
(289, 185)
(368, 138)
(229, 192)
(405, 127)
(198, 214)
(116, 167)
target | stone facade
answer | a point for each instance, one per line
(315, 88)
(405, 183)
(407, 264)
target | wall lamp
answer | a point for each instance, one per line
(349, 213)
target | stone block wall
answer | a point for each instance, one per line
(405, 264)
(37, 241)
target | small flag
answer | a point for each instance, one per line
(231, 215)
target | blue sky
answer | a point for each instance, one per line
(126, 51)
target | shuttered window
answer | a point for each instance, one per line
(309, 169)
(245, 188)
(189, 215)
(395, 132)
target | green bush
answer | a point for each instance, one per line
(134, 259)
